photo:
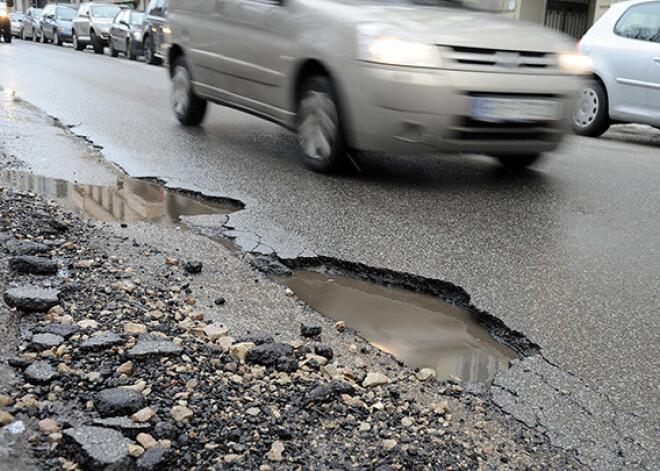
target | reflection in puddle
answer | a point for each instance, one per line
(420, 330)
(131, 200)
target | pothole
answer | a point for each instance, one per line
(421, 330)
(130, 200)
(396, 313)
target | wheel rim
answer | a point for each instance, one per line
(318, 125)
(181, 85)
(587, 108)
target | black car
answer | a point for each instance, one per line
(155, 32)
(56, 23)
(126, 34)
(32, 23)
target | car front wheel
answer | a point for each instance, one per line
(97, 45)
(111, 47)
(319, 128)
(591, 117)
(77, 45)
(188, 107)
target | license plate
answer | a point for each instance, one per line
(514, 110)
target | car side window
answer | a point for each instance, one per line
(641, 22)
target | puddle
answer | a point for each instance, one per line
(420, 330)
(423, 331)
(130, 200)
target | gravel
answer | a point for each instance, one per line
(263, 397)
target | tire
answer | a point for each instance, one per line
(97, 45)
(149, 52)
(188, 107)
(319, 126)
(23, 34)
(56, 39)
(591, 117)
(34, 37)
(8, 37)
(77, 45)
(129, 53)
(43, 37)
(519, 162)
(111, 47)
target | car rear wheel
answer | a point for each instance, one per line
(43, 37)
(111, 47)
(590, 117)
(320, 130)
(188, 107)
(518, 162)
(77, 45)
(56, 38)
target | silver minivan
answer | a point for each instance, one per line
(624, 45)
(383, 76)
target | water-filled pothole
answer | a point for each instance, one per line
(421, 330)
(130, 200)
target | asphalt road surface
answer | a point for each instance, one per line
(567, 253)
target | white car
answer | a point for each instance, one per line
(624, 45)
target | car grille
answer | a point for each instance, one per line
(479, 59)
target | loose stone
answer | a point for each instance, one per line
(268, 354)
(149, 345)
(97, 448)
(5, 418)
(310, 330)
(146, 440)
(125, 368)
(215, 331)
(143, 415)
(40, 372)
(180, 413)
(156, 458)
(324, 351)
(32, 298)
(126, 426)
(45, 341)
(25, 247)
(374, 379)
(388, 444)
(326, 392)
(63, 330)
(101, 342)
(193, 267)
(257, 339)
(133, 328)
(118, 401)
(425, 374)
(276, 450)
(48, 425)
(34, 265)
(5, 401)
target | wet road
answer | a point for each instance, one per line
(567, 253)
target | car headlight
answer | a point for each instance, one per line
(377, 44)
(136, 35)
(4, 13)
(575, 63)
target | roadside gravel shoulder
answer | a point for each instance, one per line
(159, 368)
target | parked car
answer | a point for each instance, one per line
(126, 34)
(5, 23)
(155, 32)
(384, 76)
(31, 23)
(625, 47)
(16, 20)
(56, 23)
(92, 25)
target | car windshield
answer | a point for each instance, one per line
(136, 19)
(105, 12)
(37, 12)
(15, 16)
(66, 14)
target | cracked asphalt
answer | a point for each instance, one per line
(566, 253)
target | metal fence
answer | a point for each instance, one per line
(568, 16)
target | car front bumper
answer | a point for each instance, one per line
(398, 109)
